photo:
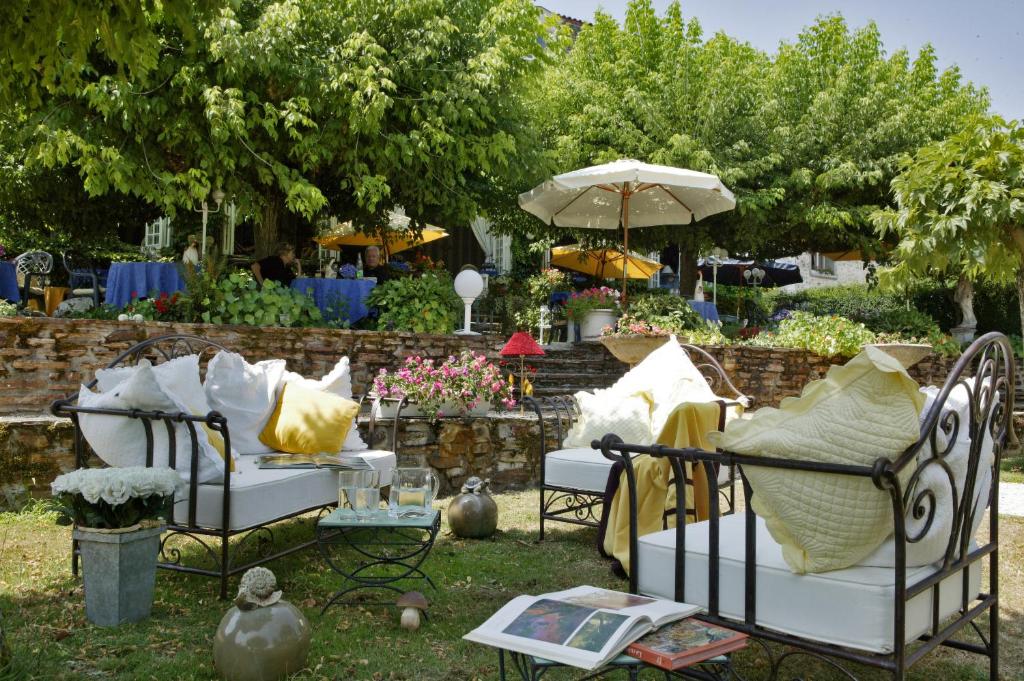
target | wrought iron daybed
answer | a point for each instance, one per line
(896, 615)
(230, 536)
(573, 481)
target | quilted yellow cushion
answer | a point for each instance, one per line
(859, 412)
(308, 421)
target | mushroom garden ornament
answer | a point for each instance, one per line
(413, 604)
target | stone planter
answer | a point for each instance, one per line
(118, 572)
(593, 323)
(388, 410)
(632, 349)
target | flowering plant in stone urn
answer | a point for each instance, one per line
(593, 309)
(118, 515)
(465, 385)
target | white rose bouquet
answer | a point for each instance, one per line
(113, 498)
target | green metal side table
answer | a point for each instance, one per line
(377, 552)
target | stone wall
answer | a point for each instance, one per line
(43, 359)
(503, 447)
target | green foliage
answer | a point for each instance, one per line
(960, 206)
(8, 309)
(853, 301)
(808, 138)
(425, 304)
(830, 336)
(665, 311)
(311, 105)
(238, 299)
(905, 323)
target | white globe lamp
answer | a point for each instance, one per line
(468, 286)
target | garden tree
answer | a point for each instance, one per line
(49, 45)
(960, 206)
(310, 106)
(808, 138)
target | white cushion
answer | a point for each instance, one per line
(603, 412)
(853, 607)
(121, 441)
(670, 378)
(260, 496)
(339, 382)
(931, 547)
(579, 468)
(245, 394)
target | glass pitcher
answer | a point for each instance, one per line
(412, 492)
(351, 481)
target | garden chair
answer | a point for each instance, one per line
(887, 618)
(83, 277)
(573, 481)
(38, 264)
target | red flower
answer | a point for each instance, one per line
(163, 295)
(135, 294)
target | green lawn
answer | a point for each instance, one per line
(1012, 466)
(43, 610)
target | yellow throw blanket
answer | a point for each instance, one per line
(687, 426)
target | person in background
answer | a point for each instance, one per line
(372, 265)
(191, 254)
(277, 267)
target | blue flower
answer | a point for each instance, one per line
(347, 271)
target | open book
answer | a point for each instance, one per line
(352, 463)
(583, 627)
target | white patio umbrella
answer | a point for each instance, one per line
(627, 193)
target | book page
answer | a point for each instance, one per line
(658, 610)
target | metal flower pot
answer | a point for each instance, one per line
(593, 323)
(118, 572)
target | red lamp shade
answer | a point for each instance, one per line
(521, 343)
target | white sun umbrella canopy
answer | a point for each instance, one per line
(627, 193)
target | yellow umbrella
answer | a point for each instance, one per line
(603, 263)
(399, 238)
(843, 256)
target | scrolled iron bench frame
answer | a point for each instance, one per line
(990, 360)
(558, 413)
(215, 544)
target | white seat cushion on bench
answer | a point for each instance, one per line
(261, 496)
(579, 468)
(852, 607)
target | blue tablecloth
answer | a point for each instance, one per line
(333, 295)
(706, 309)
(143, 279)
(9, 283)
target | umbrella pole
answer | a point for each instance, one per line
(625, 243)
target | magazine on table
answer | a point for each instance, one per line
(685, 643)
(351, 463)
(583, 627)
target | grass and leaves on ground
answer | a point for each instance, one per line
(42, 609)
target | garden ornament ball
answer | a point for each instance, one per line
(262, 637)
(468, 286)
(473, 514)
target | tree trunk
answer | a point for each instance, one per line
(1020, 297)
(266, 230)
(687, 271)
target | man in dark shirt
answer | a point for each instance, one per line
(277, 267)
(373, 267)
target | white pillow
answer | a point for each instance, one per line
(670, 378)
(246, 394)
(338, 382)
(604, 412)
(121, 441)
(931, 548)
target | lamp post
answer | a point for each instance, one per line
(468, 286)
(544, 312)
(754, 276)
(218, 198)
(716, 258)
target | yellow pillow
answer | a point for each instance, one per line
(309, 421)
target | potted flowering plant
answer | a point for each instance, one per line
(463, 385)
(118, 515)
(593, 309)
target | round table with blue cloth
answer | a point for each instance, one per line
(706, 309)
(9, 283)
(144, 279)
(343, 299)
